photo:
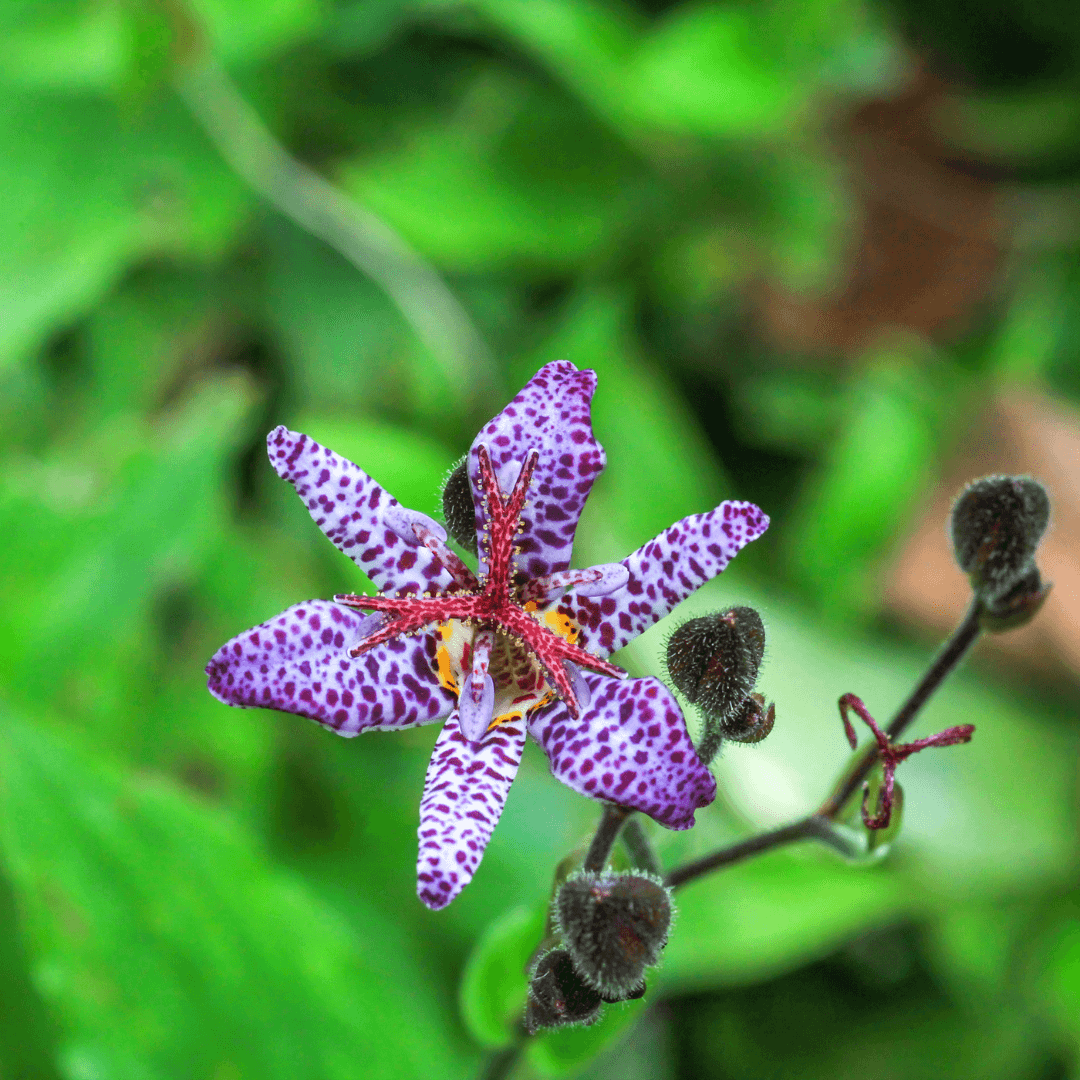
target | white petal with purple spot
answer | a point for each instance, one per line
(551, 416)
(663, 573)
(358, 517)
(629, 747)
(464, 794)
(299, 662)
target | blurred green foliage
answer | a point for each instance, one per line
(192, 891)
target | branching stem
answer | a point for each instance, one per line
(954, 650)
(808, 828)
(819, 826)
(638, 847)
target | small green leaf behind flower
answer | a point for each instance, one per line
(494, 985)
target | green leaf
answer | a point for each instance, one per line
(773, 914)
(521, 176)
(26, 1032)
(867, 487)
(156, 525)
(166, 945)
(74, 46)
(69, 220)
(241, 32)
(586, 44)
(707, 71)
(92, 186)
(493, 986)
(1057, 976)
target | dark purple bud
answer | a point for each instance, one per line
(714, 661)
(558, 996)
(1017, 606)
(459, 513)
(638, 992)
(752, 722)
(996, 526)
(614, 926)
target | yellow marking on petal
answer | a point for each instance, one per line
(522, 710)
(562, 625)
(530, 606)
(446, 674)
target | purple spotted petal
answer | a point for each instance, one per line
(629, 747)
(550, 415)
(351, 509)
(665, 572)
(299, 663)
(464, 794)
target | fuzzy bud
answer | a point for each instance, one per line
(557, 994)
(1016, 607)
(459, 512)
(752, 722)
(996, 526)
(614, 926)
(714, 659)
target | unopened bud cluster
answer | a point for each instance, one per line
(714, 661)
(997, 523)
(613, 926)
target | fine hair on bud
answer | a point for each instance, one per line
(558, 996)
(459, 512)
(1017, 607)
(751, 723)
(614, 927)
(996, 526)
(714, 659)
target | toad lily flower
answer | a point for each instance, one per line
(522, 646)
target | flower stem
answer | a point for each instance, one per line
(639, 849)
(809, 828)
(607, 832)
(954, 650)
(819, 825)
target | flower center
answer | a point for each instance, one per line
(499, 650)
(518, 679)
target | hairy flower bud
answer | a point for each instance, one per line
(752, 722)
(557, 994)
(714, 661)
(996, 526)
(614, 926)
(1016, 607)
(459, 512)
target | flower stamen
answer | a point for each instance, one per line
(493, 604)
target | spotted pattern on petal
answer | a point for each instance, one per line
(629, 747)
(463, 798)
(663, 573)
(299, 662)
(348, 506)
(550, 415)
